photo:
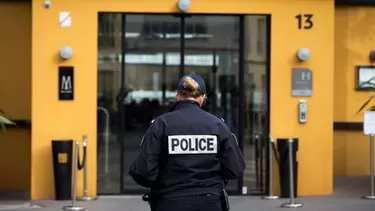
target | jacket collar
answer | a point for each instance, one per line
(183, 104)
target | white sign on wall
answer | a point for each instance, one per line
(369, 123)
(65, 19)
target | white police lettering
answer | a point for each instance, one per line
(192, 144)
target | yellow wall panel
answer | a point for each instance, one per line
(340, 153)
(354, 39)
(15, 160)
(15, 59)
(53, 119)
(351, 154)
(15, 93)
(341, 81)
(358, 154)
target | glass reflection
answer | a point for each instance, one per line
(256, 105)
(150, 78)
(219, 50)
(109, 71)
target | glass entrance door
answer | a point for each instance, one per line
(213, 53)
(141, 59)
(151, 72)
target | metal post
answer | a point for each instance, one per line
(292, 203)
(270, 171)
(372, 168)
(74, 207)
(85, 196)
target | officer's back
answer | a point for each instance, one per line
(187, 153)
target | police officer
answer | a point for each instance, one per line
(188, 155)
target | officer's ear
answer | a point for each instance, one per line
(178, 96)
(201, 99)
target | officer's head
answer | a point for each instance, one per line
(191, 87)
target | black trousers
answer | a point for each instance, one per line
(207, 202)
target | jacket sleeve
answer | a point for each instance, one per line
(145, 168)
(231, 158)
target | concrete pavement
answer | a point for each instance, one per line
(346, 197)
(239, 203)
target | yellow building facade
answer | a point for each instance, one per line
(31, 62)
(353, 44)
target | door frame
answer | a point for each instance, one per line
(241, 99)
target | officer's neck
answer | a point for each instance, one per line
(189, 99)
(182, 103)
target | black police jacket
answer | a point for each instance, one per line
(187, 151)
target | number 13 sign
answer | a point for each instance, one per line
(305, 21)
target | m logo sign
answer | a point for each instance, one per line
(66, 83)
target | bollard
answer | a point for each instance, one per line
(270, 172)
(74, 206)
(372, 168)
(85, 196)
(292, 203)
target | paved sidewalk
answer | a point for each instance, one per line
(245, 203)
(346, 197)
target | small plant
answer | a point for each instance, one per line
(369, 85)
(4, 121)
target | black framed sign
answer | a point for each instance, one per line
(365, 78)
(66, 83)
